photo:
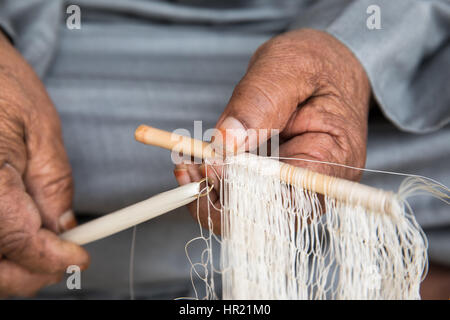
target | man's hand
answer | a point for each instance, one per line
(311, 88)
(35, 183)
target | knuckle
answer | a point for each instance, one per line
(12, 144)
(51, 185)
(262, 101)
(14, 242)
(257, 95)
(10, 181)
(61, 184)
(326, 150)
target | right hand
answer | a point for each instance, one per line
(35, 183)
(308, 86)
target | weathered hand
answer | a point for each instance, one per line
(311, 88)
(35, 183)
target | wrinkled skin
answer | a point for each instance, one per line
(35, 183)
(311, 88)
(304, 83)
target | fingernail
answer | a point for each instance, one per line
(230, 137)
(67, 220)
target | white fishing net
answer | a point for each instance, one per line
(282, 241)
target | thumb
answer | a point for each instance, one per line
(48, 178)
(22, 240)
(260, 106)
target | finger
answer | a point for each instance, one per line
(187, 173)
(327, 114)
(16, 281)
(197, 173)
(323, 131)
(261, 104)
(206, 209)
(322, 150)
(48, 177)
(315, 147)
(214, 174)
(21, 238)
(194, 172)
(181, 174)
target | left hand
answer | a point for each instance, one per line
(36, 186)
(310, 87)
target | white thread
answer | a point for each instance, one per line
(131, 263)
(276, 245)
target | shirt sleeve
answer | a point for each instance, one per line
(6, 28)
(33, 27)
(407, 60)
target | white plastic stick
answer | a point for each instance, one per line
(133, 215)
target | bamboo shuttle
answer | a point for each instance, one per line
(337, 188)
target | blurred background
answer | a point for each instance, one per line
(168, 64)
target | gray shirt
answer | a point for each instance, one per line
(169, 63)
(407, 60)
